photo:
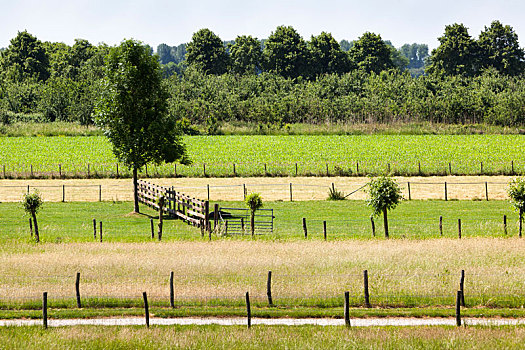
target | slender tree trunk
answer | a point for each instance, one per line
(521, 220)
(37, 235)
(252, 223)
(385, 219)
(135, 191)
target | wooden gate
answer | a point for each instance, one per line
(191, 210)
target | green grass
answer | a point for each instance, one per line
(405, 154)
(261, 337)
(72, 222)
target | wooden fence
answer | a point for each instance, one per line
(191, 210)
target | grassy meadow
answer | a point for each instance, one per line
(376, 154)
(416, 219)
(262, 337)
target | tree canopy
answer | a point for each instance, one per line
(327, 56)
(371, 54)
(245, 55)
(132, 109)
(207, 53)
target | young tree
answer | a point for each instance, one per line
(161, 202)
(385, 195)
(517, 198)
(207, 53)
(32, 202)
(132, 110)
(253, 202)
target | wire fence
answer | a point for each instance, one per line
(271, 169)
(366, 289)
(122, 190)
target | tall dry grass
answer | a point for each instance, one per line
(495, 268)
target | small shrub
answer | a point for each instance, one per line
(335, 195)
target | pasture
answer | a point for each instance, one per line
(277, 155)
(268, 337)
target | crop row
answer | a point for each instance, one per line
(275, 156)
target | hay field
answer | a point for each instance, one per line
(271, 188)
(408, 270)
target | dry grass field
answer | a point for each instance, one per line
(495, 269)
(271, 188)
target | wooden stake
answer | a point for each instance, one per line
(459, 228)
(248, 310)
(100, 233)
(94, 229)
(367, 295)
(146, 308)
(373, 226)
(441, 225)
(172, 291)
(347, 309)
(462, 287)
(269, 288)
(77, 290)
(409, 194)
(291, 193)
(324, 230)
(505, 224)
(44, 309)
(152, 228)
(305, 228)
(458, 309)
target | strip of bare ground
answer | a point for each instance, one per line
(272, 189)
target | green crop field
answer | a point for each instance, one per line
(72, 222)
(277, 155)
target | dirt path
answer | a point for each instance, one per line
(271, 188)
(359, 322)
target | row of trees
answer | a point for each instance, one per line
(284, 80)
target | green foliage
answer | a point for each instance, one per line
(457, 53)
(285, 53)
(246, 55)
(25, 58)
(371, 54)
(207, 53)
(516, 193)
(384, 193)
(501, 50)
(32, 202)
(254, 202)
(335, 195)
(326, 56)
(132, 108)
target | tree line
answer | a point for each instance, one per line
(285, 79)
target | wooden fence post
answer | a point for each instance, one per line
(152, 228)
(242, 226)
(100, 193)
(324, 230)
(486, 191)
(441, 225)
(462, 287)
(207, 215)
(409, 193)
(94, 229)
(367, 295)
(459, 228)
(505, 224)
(291, 193)
(449, 168)
(248, 310)
(373, 226)
(63, 193)
(77, 290)
(446, 194)
(44, 309)
(458, 309)
(100, 233)
(269, 288)
(215, 216)
(347, 309)
(234, 171)
(172, 291)
(305, 228)
(244, 192)
(146, 308)
(208, 191)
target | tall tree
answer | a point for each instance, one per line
(207, 53)
(132, 110)
(457, 53)
(245, 55)
(371, 54)
(500, 49)
(327, 56)
(285, 53)
(164, 52)
(25, 58)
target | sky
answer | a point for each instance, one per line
(173, 22)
